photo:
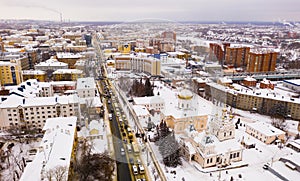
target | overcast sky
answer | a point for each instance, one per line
(131, 10)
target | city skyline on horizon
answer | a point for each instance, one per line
(180, 11)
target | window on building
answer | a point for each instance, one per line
(238, 154)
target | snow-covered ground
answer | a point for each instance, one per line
(254, 158)
(13, 166)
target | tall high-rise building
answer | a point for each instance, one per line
(261, 61)
(169, 35)
(219, 51)
(236, 56)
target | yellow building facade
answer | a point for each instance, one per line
(67, 75)
(10, 73)
(34, 74)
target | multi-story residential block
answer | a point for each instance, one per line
(261, 61)
(236, 56)
(145, 64)
(17, 111)
(10, 73)
(51, 155)
(51, 64)
(265, 132)
(33, 57)
(261, 100)
(72, 36)
(123, 62)
(67, 74)
(251, 60)
(218, 50)
(40, 75)
(86, 87)
(69, 58)
(19, 58)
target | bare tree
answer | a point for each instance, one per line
(279, 123)
(58, 173)
(93, 166)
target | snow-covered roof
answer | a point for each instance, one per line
(191, 148)
(248, 78)
(33, 72)
(29, 88)
(86, 83)
(68, 71)
(265, 129)
(91, 101)
(148, 100)
(225, 80)
(140, 110)
(2, 63)
(295, 82)
(276, 94)
(295, 143)
(185, 94)
(52, 62)
(61, 55)
(265, 81)
(59, 131)
(200, 80)
(15, 101)
(199, 106)
(210, 140)
(57, 83)
(94, 124)
(80, 62)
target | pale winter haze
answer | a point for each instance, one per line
(181, 10)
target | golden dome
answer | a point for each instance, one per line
(185, 94)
